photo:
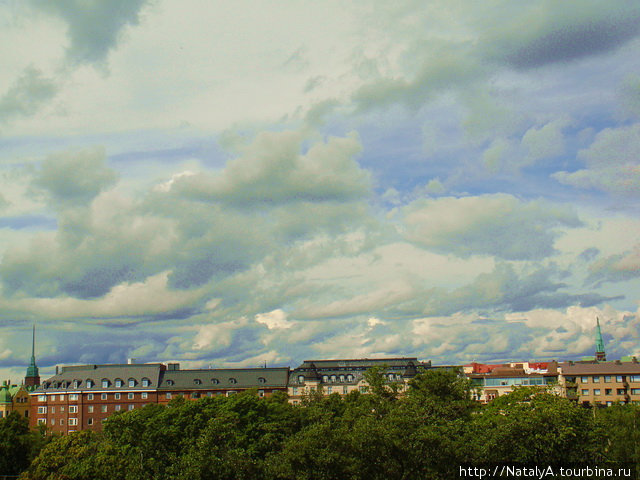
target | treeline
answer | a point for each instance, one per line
(428, 433)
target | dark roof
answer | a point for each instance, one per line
(206, 379)
(363, 362)
(595, 368)
(82, 373)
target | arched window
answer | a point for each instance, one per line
(119, 382)
(132, 382)
(197, 381)
(233, 380)
(169, 382)
(105, 383)
(349, 378)
(333, 378)
(341, 378)
(146, 382)
(215, 381)
(262, 380)
(325, 379)
(300, 378)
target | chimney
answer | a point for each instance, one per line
(131, 361)
(173, 366)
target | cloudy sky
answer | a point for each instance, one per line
(229, 183)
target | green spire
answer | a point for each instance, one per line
(32, 370)
(600, 353)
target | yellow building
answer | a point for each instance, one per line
(14, 398)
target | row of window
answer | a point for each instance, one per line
(609, 391)
(297, 391)
(89, 383)
(608, 378)
(91, 396)
(215, 381)
(90, 409)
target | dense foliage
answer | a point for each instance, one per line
(427, 433)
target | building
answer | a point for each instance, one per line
(13, 398)
(601, 355)
(593, 383)
(32, 379)
(82, 397)
(492, 381)
(346, 376)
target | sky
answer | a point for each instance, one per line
(225, 184)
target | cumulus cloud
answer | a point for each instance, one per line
(616, 268)
(613, 162)
(499, 225)
(27, 95)
(546, 141)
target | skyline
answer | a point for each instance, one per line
(225, 185)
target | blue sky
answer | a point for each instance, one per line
(225, 184)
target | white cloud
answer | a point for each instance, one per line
(274, 320)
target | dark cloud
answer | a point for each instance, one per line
(27, 95)
(94, 27)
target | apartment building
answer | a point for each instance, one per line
(490, 381)
(346, 376)
(82, 397)
(601, 383)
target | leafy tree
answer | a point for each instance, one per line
(17, 444)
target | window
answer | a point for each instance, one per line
(621, 391)
(116, 396)
(105, 383)
(73, 409)
(131, 395)
(607, 391)
(294, 391)
(596, 379)
(261, 393)
(345, 390)
(585, 391)
(42, 410)
(103, 408)
(103, 396)
(90, 396)
(76, 384)
(262, 380)
(169, 382)
(62, 421)
(329, 390)
(90, 409)
(197, 381)
(635, 391)
(168, 395)
(333, 378)
(73, 397)
(349, 378)
(325, 379)
(619, 378)
(53, 409)
(89, 421)
(231, 392)
(61, 397)
(117, 408)
(62, 408)
(132, 382)
(233, 380)
(609, 403)
(215, 381)
(118, 383)
(596, 391)
(73, 421)
(144, 395)
(90, 383)
(364, 389)
(42, 398)
(607, 379)
(634, 378)
(131, 407)
(53, 421)
(584, 379)
(341, 378)
(42, 421)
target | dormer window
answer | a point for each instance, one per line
(262, 380)
(341, 378)
(132, 382)
(333, 378)
(197, 381)
(146, 382)
(215, 381)
(325, 379)
(119, 383)
(300, 378)
(76, 384)
(170, 382)
(233, 380)
(105, 383)
(90, 383)
(349, 378)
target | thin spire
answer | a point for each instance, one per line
(33, 374)
(600, 353)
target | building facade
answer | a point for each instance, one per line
(82, 397)
(492, 381)
(593, 383)
(345, 376)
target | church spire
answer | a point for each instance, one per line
(601, 356)
(33, 375)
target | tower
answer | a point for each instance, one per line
(33, 375)
(601, 356)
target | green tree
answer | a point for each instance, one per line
(17, 444)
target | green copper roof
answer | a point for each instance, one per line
(32, 370)
(5, 396)
(599, 342)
